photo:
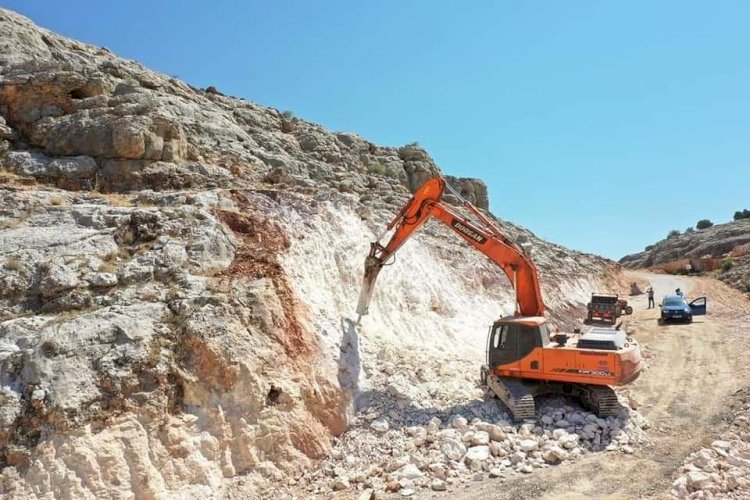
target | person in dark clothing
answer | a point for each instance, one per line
(650, 292)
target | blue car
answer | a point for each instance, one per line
(675, 307)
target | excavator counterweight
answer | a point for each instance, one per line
(522, 361)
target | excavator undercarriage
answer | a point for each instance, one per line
(519, 395)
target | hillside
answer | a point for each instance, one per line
(180, 270)
(722, 250)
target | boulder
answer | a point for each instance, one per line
(458, 422)
(480, 438)
(697, 480)
(379, 425)
(341, 484)
(438, 485)
(409, 471)
(453, 449)
(102, 279)
(554, 455)
(569, 441)
(434, 425)
(517, 457)
(528, 445)
(57, 278)
(477, 454)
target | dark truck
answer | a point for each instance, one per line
(604, 307)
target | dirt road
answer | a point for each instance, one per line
(693, 372)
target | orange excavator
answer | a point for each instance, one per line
(522, 360)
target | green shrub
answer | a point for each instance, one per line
(704, 224)
(317, 175)
(742, 214)
(649, 247)
(674, 233)
(287, 115)
(726, 265)
(689, 230)
(376, 168)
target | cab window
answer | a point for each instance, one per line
(498, 339)
(504, 337)
(528, 339)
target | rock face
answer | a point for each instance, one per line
(178, 272)
(723, 247)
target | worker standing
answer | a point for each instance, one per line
(679, 292)
(650, 292)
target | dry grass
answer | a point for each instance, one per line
(112, 259)
(15, 180)
(149, 296)
(14, 223)
(127, 237)
(13, 263)
(235, 170)
(56, 200)
(107, 267)
(120, 200)
(10, 223)
(8, 178)
(66, 316)
(115, 199)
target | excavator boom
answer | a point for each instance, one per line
(482, 235)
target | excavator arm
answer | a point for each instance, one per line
(484, 236)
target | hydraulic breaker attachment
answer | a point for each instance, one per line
(373, 264)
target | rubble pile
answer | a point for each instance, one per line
(721, 470)
(435, 439)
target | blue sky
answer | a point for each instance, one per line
(598, 125)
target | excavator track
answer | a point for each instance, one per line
(601, 399)
(517, 396)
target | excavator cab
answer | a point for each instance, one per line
(514, 338)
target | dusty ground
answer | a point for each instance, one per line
(694, 371)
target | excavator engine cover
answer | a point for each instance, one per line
(603, 338)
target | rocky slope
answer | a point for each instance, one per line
(178, 272)
(723, 246)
